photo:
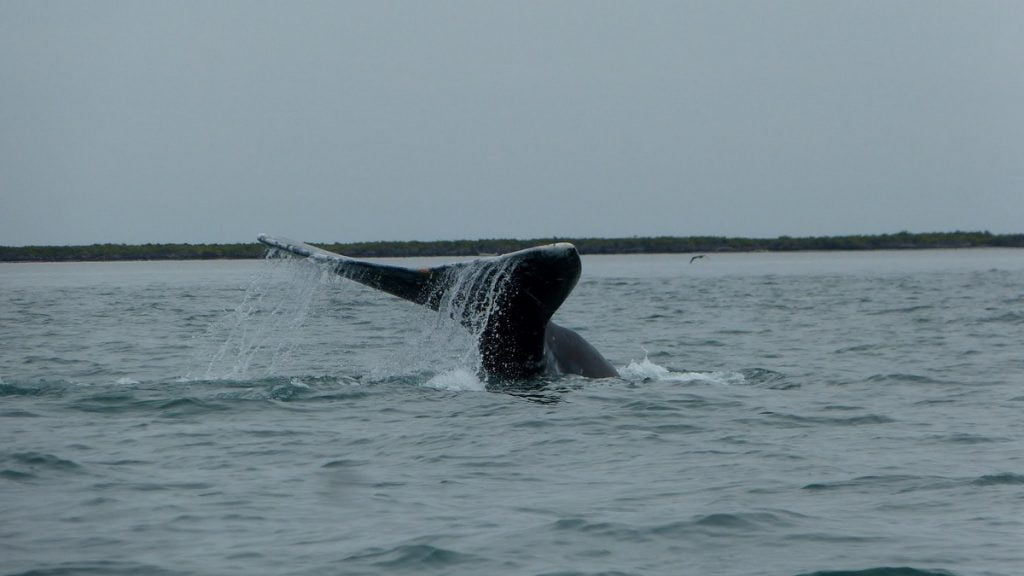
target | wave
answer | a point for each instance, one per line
(909, 483)
(27, 466)
(412, 558)
(1005, 478)
(100, 567)
(799, 421)
(894, 482)
(882, 571)
(717, 523)
(180, 398)
(903, 378)
(585, 573)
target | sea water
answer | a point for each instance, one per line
(776, 414)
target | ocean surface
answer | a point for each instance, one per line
(777, 414)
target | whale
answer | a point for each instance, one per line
(506, 300)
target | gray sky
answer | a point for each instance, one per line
(345, 121)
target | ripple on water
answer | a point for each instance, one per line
(796, 420)
(1006, 478)
(897, 482)
(412, 558)
(615, 530)
(40, 388)
(101, 567)
(882, 571)
(721, 524)
(35, 465)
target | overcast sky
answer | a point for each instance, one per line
(347, 121)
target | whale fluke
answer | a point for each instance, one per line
(508, 300)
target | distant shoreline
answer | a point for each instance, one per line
(633, 245)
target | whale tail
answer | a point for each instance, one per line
(507, 299)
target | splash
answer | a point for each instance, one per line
(456, 380)
(448, 340)
(258, 336)
(645, 371)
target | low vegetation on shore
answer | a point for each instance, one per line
(633, 245)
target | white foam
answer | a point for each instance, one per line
(456, 380)
(125, 381)
(645, 370)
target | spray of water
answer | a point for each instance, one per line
(448, 340)
(256, 338)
